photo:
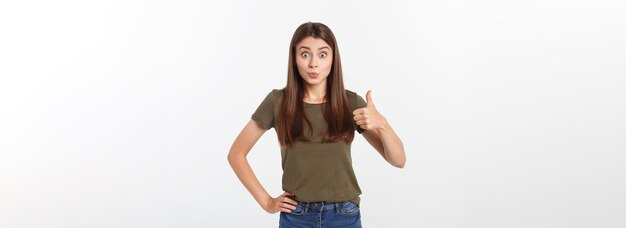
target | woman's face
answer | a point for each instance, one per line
(314, 59)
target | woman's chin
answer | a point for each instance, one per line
(316, 81)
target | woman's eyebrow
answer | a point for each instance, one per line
(305, 47)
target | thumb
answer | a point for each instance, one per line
(368, 96)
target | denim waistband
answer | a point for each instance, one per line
(319, 206)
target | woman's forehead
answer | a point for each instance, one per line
(312, 43)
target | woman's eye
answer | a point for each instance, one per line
(304, 55)
(323, 55)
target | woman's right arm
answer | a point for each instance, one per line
(238, 161)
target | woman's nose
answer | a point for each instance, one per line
(313, 63)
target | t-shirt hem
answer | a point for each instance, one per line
(355, 200)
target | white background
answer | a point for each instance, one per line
(121, 113)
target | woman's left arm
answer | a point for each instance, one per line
(379, 134)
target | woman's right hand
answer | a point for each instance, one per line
(280, 203)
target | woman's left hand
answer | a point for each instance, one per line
(368, 117)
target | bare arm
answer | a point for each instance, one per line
(388, 144)
(244, 142)
(379, 133)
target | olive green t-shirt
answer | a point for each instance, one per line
(314, 171)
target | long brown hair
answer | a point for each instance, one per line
(336, 112)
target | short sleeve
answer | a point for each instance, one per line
(360, 103)
(264, 114)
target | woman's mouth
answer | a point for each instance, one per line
(313, 75)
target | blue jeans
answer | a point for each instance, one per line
(322, 215)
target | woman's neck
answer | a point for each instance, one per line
(315, 93)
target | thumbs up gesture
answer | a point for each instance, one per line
(368, 117)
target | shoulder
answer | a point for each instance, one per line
(354, 100)
(277, 92)
(351, 95)
(271, 99)
(274, 94)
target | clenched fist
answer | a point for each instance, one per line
(368, 117)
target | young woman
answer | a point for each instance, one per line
(315, 119)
